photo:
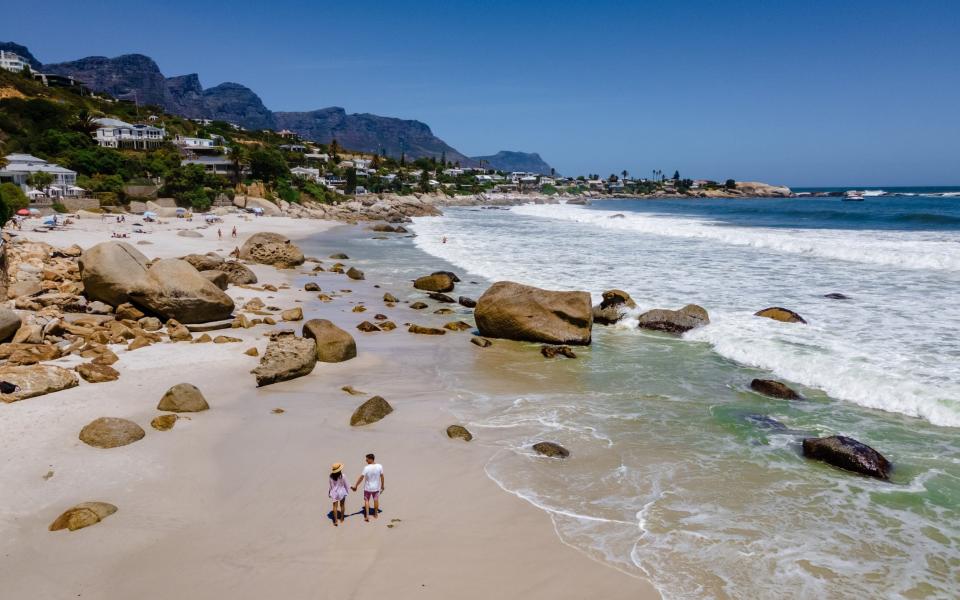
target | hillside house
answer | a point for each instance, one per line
(12, 61)
(114, 133)
(19, 167)
(217, 165)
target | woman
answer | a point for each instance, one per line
(338, 493)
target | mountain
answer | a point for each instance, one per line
(370, 133)
(138, 78)
(507, 160)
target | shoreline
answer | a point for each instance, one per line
(232, 500)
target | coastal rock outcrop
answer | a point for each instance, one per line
(111, 432)
(436, 282)
(370, 411)
(178, 291)
(111, 270)
(183, 397)
(272, 249)
(674, 321)
(83, 515)
(524, 313)
(459, 432)
(613, 307)
(551, 449)
(286, 357)
(774, 389)
(778, 313)
(849, 454)
(333, 344)
(35, 380)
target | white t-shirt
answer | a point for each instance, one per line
(371, 477)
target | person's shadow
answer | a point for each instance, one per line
(353, 514)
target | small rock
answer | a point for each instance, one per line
(551, 449)
(355, 274)
(426, 330)
(680, 321)
(111, 432)
(367, 327)
(370, 411)
(480, 341)
(390, 298)
(613, 308)
(436, 282)
(226, 339)
(441, 297)
(83, 515)
(292, 314)
(339, 256)
(459, 432)
(388, 326)
(468, 302)
(443, 311)
(35, 380)
(457, 326)
(774, 389)
(353, 392)
(780, 314)
(127, 311)
(311, 287)
(183, 397)
(251, 352)
(418, 305)
(278, 411)
(92, 373)
(164, 422)
(554, 351)
(203, 339)
(149, 323)
(359, 308)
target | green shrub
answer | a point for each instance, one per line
(59, 207)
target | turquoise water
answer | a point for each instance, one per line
(679, 472)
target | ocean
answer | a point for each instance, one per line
(679, 472)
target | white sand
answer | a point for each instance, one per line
(232, 502)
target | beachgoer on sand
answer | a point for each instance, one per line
(234, 232)
(338, 493)
(219, 234)
(373, 485)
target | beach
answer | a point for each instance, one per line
(233, 501)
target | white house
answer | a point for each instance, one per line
(306, 172)
(454, 172)
(322, 157)
(193, 143)
(20, 166)
(12, 61)
(114, 133)
(216, 165)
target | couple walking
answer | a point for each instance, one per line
(373, 485)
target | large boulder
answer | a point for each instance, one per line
(180, 292)
(237, 272)
(183, 397)
(849, 454)
(272, 249)
(286, 357)
(83, 515)
(370, 411)
(778, 313)
(774, 389)
(217, 278)
(519, 312)
(333, 344)
(9, 324)
(436, 282)
(111, 270)
(111, 432)
(36, 380)
(674, 321)
(204, 262)
(613, 307)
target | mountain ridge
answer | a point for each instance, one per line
(137, 77)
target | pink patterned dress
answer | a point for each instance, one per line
(338, 489)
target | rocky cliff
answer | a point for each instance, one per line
(507, 160)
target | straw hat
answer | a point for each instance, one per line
(336, 468)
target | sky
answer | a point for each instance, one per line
(801, 93)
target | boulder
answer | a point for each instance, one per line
(367, 327)
(332, 343)
(355, 274)
(36, 380)
(111, 432)
(780, 314)
(292, 314)
(426, 330)
(459, 432)
(183, 397)
(390, 298)
(689, 317)
(237, 272)
(164, 422)
(519, 312)
(613, 307)
(453, 276)
(551, 449)
(9, 324)
(555, 351)
(467, 302)
(110, 271)
(286, 357)
(204, 262)
(272, 249)
(370, 411)
(92, 373)
(774, 389)
(437, 282)
(217, 278)
(83, 515)
(849, 454)
(180, 292)
(311, 287)
(177, 332)
(149, 323)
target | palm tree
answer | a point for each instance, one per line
(624, 173)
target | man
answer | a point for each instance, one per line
(373, 484)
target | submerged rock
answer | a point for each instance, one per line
(613, 307)
(459, 432)
(836, 296)
(370, 411)
(778, 313)
(774, 389)
(83, 515)
(524, 313)
(551, 449)
(554, 351)
(680, 321)
(849, 454)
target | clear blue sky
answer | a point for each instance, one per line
(801, 93)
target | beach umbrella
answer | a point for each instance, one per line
(180, 210)
(23, 212)
(149, 213)
(34, 211)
